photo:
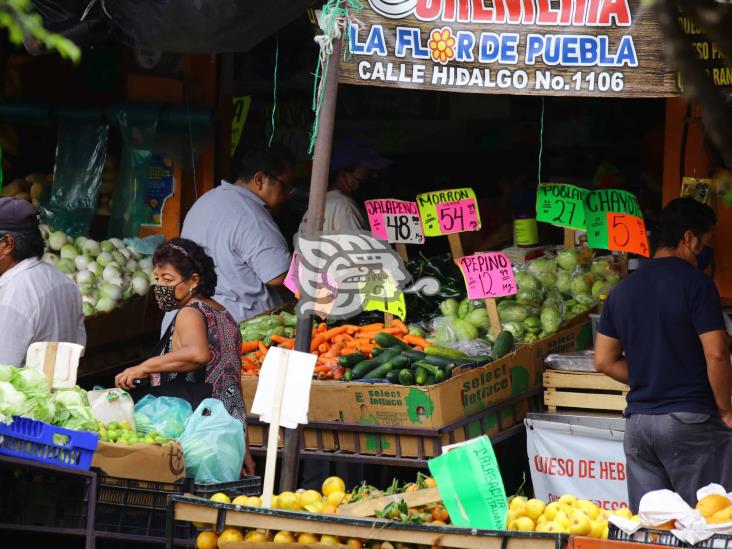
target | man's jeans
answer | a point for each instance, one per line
(679, 451)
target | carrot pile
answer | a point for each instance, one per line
(329, 344)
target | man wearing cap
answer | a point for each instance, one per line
(352, 163)
(37, 301)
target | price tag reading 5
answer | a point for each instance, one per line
(627, 233)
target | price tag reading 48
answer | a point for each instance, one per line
(449, 211)
(395, 221)
(487, 275)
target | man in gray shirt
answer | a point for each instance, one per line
(37, 301)
(233, 222)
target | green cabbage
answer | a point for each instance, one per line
(527, 281)
(516, 328)
(12, 401)
(31, 382)
(550, 320)
(513, 312)
(563, 282)
(40, 408)
(602, 266)
(542, 265)
(530, 297)
(568, 259)
(6, 372)
(478, 318)
(464, 330)
(449, 307)
(549, 280)
(72, 410)
(580, 284)
(532, 324)
(464, 309)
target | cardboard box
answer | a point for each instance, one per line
(151, 462)
(431, 407)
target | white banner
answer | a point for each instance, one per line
(586, 462)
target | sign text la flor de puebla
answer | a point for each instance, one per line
(608, 48)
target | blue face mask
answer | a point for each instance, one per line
(704, 257)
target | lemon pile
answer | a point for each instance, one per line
(715, 508)
(568, 515)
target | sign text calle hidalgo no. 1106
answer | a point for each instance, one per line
(543, 47)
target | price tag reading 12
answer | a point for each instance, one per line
(487, 275)
(448, 211)
(395, 221)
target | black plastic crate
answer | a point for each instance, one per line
(248, 486)
(136, 507)
(666, 538)
(36, 498)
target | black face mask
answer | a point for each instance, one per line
(165, 297)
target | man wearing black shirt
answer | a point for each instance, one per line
(662, 332)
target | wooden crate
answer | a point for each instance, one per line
(185, 508)
(583, 390)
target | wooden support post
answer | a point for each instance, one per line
(569, 236)
(314, 225)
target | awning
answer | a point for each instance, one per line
(176, 26)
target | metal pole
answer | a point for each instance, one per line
(314, 225)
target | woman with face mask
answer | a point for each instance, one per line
(202, 345)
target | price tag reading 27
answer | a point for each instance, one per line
(448, 211)
(487, 275)
(395, 221)
(561, 205)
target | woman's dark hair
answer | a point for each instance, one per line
(28, 243)
(272, 160)
(188, 258)
(681, 215)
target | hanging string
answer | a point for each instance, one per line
(274, 87)
(541, 139)
(335, 21)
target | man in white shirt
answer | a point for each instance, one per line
(352, 163)
(37, 301)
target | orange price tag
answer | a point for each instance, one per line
(627, 233)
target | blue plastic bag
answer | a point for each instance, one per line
(213, 444)
(163, 416)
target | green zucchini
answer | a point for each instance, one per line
(430, 380)
(350, 360)
(434, 350)
(376, 351)
(364, 367)
(393, 377)
(347, 375)
(440, 376)
(430, 368)
(406, 377)
(388, 340)
(401, 361)
(503, 345)
(439, 361)
(420, 376)
(380, 372)
(415, 355)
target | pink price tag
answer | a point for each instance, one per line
(291, 278)
(374, 210)
(487, 275)
(458, 217)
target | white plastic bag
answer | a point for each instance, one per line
(108, 405)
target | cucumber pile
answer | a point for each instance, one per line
(396, 362)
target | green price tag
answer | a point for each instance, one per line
(449, 211)
(561, 205)
(598, 205)
(471, 485)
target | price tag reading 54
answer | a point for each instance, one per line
(449, 211)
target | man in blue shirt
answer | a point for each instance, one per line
(662, 333)
(233, 222)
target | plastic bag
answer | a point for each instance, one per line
(163, 416)
(108, 405)
(144, 246)
(213, 444)
(80, 156)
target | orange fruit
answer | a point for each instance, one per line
(229, 535)
(333, 484)
(330, 540)
(429, 482)
(355, 543)
(711, 504)
(307, 538)
(207, 540)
